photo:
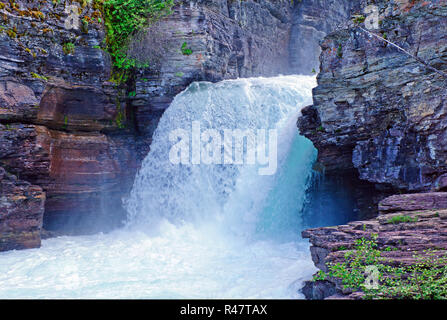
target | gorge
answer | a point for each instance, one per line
(82, 147)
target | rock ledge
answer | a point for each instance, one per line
(426, 229)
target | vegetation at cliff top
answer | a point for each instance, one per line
(426, 279)
(124, 18)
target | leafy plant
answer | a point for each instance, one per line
(426, 279)
(359, 19)
(120, 119)
(68, 48)
(185, 50)
(65, 125)
(124, 18)
(340, 51)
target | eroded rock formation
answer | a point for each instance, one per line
(380, 114)
(401, 241)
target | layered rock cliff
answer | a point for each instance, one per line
(21, 213)
(312, 21)
(378, 111)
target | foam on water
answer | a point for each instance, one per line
(194, 231)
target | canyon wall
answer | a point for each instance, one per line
(63, 154)
(312, 20)
(380, 114)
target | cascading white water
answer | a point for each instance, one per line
(194, 231)
(163, 190)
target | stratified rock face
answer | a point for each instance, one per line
(425, 230)
(413, 202)
(21, 213)
(376, 109)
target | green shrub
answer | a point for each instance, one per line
(426, 279)
(124, 18)
(400, 219)
(340, 51)
(37, 76)
(359, 19)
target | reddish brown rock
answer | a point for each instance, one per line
(77, 107)
(17, 101)
(82, 173)
(90, 173)
(21, 213)
(62, 122)
(377, 110)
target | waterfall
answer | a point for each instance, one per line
(196, 230)
(230, 192)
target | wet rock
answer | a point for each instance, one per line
(89, 176)
(78, 108)
(318, 290)
(17, 101)
(412, 202)
(82, 174)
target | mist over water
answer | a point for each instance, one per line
(194, 231)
